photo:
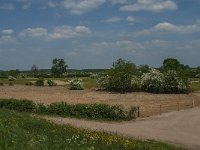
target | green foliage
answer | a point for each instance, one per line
(173, 64)
(19, 105)
(76, 84)
(20, 131)
(11, 84)
(51, 83)
(28, 83)
(90, 111)
(58, 68)
(173, 83)
(39, 82)
(34, 71)
(119, 77)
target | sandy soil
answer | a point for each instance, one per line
(180, 128)
(149, 103)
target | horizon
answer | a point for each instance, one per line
(95, 33)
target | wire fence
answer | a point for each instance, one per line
(160, 108)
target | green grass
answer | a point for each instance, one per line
(195, 86)
(20, 81)
(22, 131)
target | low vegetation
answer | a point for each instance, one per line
(23, 131)
(89, 111)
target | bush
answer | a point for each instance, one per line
(76, 84)
(40, 82)
(152, 81)
(119, 77)
(1, 84)
(10, 84)
(19, 105)
(91, 111)
(173, 83)
(51, 83)
(28, 83)
(11, 78)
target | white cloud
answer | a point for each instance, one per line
(130, 19)
(166, 27)
(150, 5)
(119, 1)
(52, 4)
(7, 6)
(34, 32)
(7, 39)
(60, 32)
(79, 7)
(113, 19)
(7, 31)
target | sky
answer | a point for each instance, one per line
(91, 34)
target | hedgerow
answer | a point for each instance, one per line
(90, 111)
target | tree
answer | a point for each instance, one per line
(120, 76)
(173, 64)
(58, 68)
(34, 70)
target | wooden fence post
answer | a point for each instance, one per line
(178, 106)
(138, 110)
(160, 109)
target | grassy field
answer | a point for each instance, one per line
(24, 131)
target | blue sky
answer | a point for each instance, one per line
(94, 33)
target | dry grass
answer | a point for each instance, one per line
(149, 103)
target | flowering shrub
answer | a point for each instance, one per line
(103, 81)
(172, 83)
(51, 83)
(11, 78)
(76, 84)
(152, 81)
(136, 83)
(169, 82)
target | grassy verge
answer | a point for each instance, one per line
(89, 111)
(22, 131)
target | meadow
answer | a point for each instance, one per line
(26, 131)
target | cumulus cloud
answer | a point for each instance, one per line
(60, 32)
(34, 32)
(150, 5)
(167, 27)
(79, 7)
(7, 6)
(7, 31)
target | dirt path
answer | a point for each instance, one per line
(180, 128)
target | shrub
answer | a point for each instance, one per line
(76, 84)
(136, 83)
(91, 111)
(29, 83)
(1, 84)
(10, 84)
(11, 78)
(119, 77)
(152, 81)
(40, 82)
(19, 105)
(51, 83)
(173, 83)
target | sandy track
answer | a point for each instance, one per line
(179, 128)
(149, 103)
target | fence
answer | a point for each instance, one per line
(159, 109)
